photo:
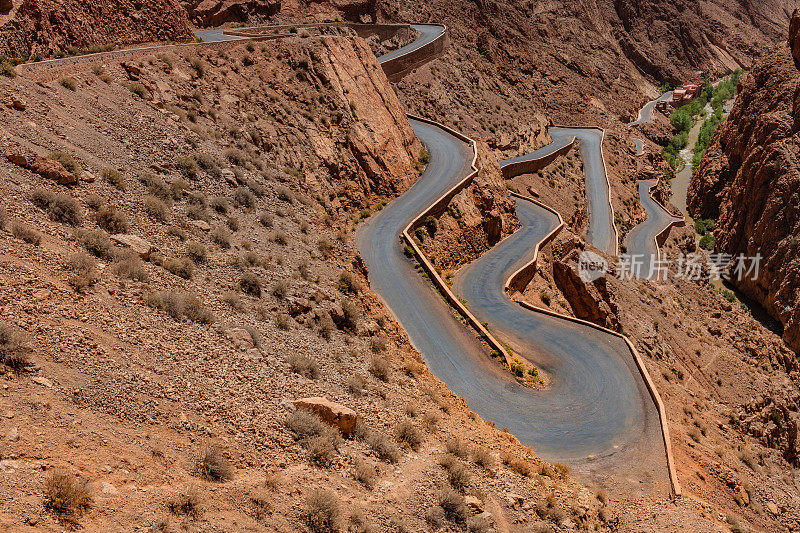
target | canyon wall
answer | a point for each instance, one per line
(749, 181)
(31, 27)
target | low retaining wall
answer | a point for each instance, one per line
(522, 277)
(400, 66)
(383, 31)
(532, 165)
(426, 264)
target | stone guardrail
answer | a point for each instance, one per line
(398, 67)
(528, 166)
(427, 265)
(384, 31)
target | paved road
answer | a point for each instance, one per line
(215, 36)
(596, 406)
(427, 33)
(640, 242)
(601, 232)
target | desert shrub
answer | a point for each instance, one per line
(354, 384)
(13, 347)
(198, 65)
(259, 189)
(483, 457)
(156, 209)
(233, 224)
(112, 220)
(179, 305)
(280, 289)
(305, 424)
(244, 198)
(562, 469)
(187, 166)
(236, 156)
(196, 212)
(180, 266)
(384, 448)
(68, 83)
(66, 495)
(378, 344)
(178, 188)
(7, 69)
(279, 237)
(185, 503)
(250, 284)
(84, 271)
(94, 201)
(365, 473)
(380, 368)
(515, 465)
(351, 314)
(326, 326)
(67, 161)
(431, 224)
(456, 447)
(96, 242)
(304, 365)
(321, 450)
(138, 89)
(130, 266)
(347, 283)
(283, 322)
(457, 474)
(221, 236)
(219, 204)
(430, 421)
(285, 194)
(321, 511)
(213, 465)
(453, 505)
(196, 251)
(26, 233)
(156, 186)
(3, 218)
(409, 435)
(60, 207)
(266, 220)
(114, 177)
(325, 246)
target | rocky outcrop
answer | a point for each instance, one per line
(134, 243)
(45, 167)
(47, 26)
(749, 181)
(218, 12)
(593, 301)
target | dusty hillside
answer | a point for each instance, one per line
(44, 27)
(161, 375)
(748, 182)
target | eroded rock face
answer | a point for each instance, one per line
(216, 13)
(45, 26)
(592, 302)
(749, 181)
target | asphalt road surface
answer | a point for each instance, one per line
(427, 33)
(600, 232)
(640, 242)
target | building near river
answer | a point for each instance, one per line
(685, 94)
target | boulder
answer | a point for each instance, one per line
(14, 102)
(336, 415)
(241, 338)
(137, 244)
(474, 503)
(202, 225)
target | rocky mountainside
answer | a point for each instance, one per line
(216, 13)
(30, 27)
(750, 178)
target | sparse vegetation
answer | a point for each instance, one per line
(221, 236)
(180, 266)
(321, 511)
(380, 368)
(66, 495)
(67, 161)
(26, 233)
(213, 465)
(304, 365)
(60, 207)
(250, 284)
(179, 305)
(409, 435)
(84, 272)
(68, 83)
(185, 503)
(95, 241)
(114, 177)
(156, 209)
(112, 220)
(14, 348)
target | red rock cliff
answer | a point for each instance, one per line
(749, 181)
(45, 26)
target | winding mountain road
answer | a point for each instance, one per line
(641, 244)
(597, 415)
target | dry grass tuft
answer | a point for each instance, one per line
(13, 347)
(321, 511)
(66, 495)
(213, 465)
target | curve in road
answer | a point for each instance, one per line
(642, 241)
(596, 414)
(427, 34)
